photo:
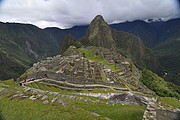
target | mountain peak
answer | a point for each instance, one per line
(69, 41)
(99, 34)
(98, 18)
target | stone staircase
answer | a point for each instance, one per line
(150, 112)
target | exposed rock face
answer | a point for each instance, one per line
(99, 34)
(167, 115)
(128, 98)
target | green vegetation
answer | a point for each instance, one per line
(19, 108)
(22, 44)
(98, 34)
(104, 78)
(92, 55)
(132, 47)
(117, 112)
(159, 85)
(69, 41)
(31, 110)
(169, 57)
(113, 68)
(9, 82)
(170, 101)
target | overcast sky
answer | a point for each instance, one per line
(68, 13)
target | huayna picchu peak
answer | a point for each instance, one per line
(105, 75)
(98, 34)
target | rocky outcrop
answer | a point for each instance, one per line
(128, 99)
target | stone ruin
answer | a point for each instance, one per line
(78, 69)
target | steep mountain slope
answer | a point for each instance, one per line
(144, 30)
(168, 50)
(69, 41)
(163, 38)
(99, 34)
(23, 44)
(169, 57)
(132, 47)
(151, 33)
(77, 31)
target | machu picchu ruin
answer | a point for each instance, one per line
(90, 69)
(105, 75)
(92, 65)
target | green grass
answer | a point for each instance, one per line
(104, 78)
(113, 68)
(46, 87)
(117, 112)
(18, 109)
(170, 101)
(90, 55)
(31, 110)
(159, 85)
(9, 82)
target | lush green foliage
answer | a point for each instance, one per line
(169, 57)
(69, 41)
(132, 47)
(159, 85)
(23, 44)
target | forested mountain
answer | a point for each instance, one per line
(23, 44)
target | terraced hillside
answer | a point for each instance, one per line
(41, 100)
(90, 65)
(85, 83)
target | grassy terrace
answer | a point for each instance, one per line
(20, 109)
(170, 101)
(113, 68)
(31, 110)
(90, 55)
(116, 112)
(46, 87)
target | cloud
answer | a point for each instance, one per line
(67, 13)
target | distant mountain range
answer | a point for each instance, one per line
(23, 44)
